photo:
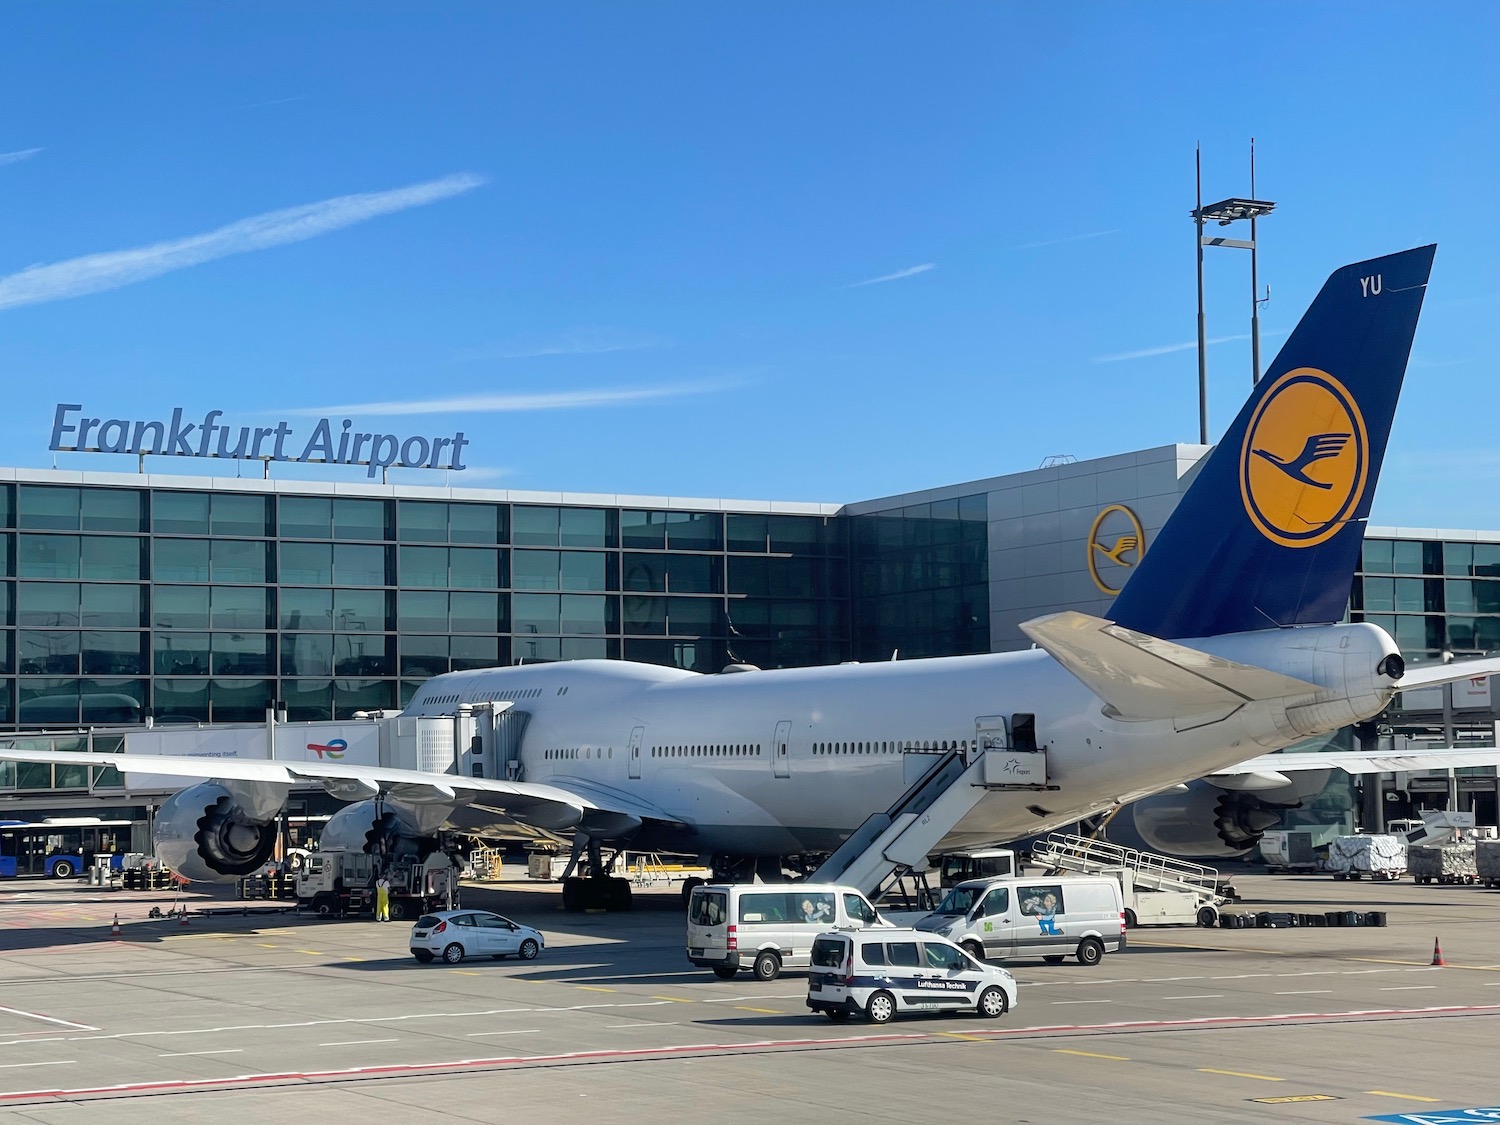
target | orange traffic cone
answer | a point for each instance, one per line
(183, 917)
(1437, 953)
(114, 931)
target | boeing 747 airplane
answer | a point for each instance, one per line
(1224, 646)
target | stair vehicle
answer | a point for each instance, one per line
(1157, 890)
(1050, 917)
(337, 883)
(767, 927)
(879, 973)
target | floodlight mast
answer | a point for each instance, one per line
(1225, 212)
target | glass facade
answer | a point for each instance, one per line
(198, 605)
(1432, 596)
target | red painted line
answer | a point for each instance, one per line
(456, 1064)
(1231, 1021)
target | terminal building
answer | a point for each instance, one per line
(135, 598)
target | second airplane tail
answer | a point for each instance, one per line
(1269, 533)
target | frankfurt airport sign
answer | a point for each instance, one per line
(328, 443)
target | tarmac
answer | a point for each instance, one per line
(272, 1016)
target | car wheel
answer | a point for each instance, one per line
(993, 1003)
(974, 950)
(767, 966)
(423, 955)
(724, 972)
(1208, 917)
(1090, 952)
(62, 869)
(880, 1007)
(453, 954)
(529, 949)
(1053, 960)
(837, 1015)
(1131, 922)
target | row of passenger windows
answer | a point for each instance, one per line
(573, 753)
(729, 750)
(887, 747)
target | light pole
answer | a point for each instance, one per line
(1225, 212)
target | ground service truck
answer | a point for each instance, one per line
(336, 883)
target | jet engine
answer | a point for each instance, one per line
(1206, 821)
(205, 833)
(385, 827)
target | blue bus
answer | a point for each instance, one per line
(61, 847)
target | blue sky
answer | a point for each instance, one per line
(810, 251)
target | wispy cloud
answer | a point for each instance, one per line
(95, 273)
(1168, 349)
(1469, 465)
(897, 276)
(578, 343)
(18, 156)
(515, 403)
(1421, 361)
(1066, 238)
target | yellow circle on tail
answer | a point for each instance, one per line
(1305, 459)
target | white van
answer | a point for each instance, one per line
(882, 972)
(767, 927)
(1048, 917)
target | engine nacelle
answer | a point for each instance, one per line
(204, 834)
(386, 827)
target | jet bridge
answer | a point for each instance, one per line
(901, 837)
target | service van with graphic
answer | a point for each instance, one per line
(768, 927)
(880, 972)
(1048, 917)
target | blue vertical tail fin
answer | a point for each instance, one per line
(1269, 533)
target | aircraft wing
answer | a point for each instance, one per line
(1360, 761)
(555, 808)
(1144, 677)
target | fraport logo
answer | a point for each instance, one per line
(334, 749)
(330, 443)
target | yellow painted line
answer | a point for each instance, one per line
(1407, 1097)
(353, 958)
(1426, 964)
(312, 952)
(1089, 1054)
(466, 972)
(596, 988)
(952, 1035)
(674, 999)
(766, 1011)
(1297, 1098)
(268, 945)
(1239, 1074)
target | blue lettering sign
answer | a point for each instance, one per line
(183, 436)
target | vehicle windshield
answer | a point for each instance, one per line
(828, 953)
(708, 908)
(960, 900)
(427, 921)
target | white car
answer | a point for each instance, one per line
(456, 934)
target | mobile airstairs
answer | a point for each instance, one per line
(899, 839)
(1157, 890)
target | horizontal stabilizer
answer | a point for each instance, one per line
(1143, 677)
(1431, 675)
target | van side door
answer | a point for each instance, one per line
(993, 919)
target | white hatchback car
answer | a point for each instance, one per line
(456, 934)
(880, 973)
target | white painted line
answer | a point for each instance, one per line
(1407, 987)
(1305, 992)
(55, 1062)
(183, 1054)
(1081, 1001)
(48, 1019)
(638, 1024)
(357, 1042)
(1247, 976)
(1197, 996)
(522, 1031)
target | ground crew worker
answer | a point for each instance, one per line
(382, 899)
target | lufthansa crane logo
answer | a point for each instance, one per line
(1305, 460)
(1116, 543)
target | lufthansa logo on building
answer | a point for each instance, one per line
(1116, 543)
(1305, 460)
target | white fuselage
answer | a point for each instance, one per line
(855, 736)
